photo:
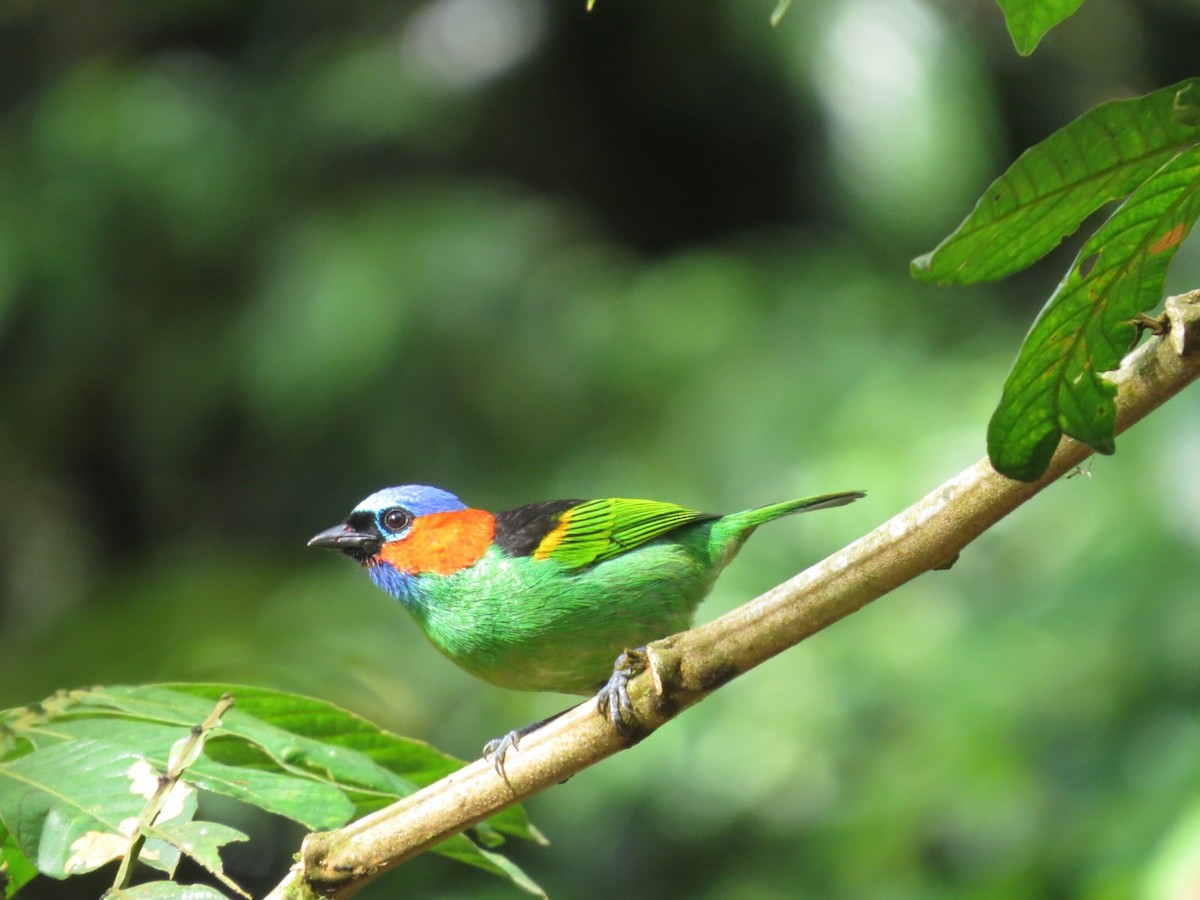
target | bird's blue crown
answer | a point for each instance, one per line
(418, 499)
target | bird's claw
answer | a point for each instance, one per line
(613, 699)
(497, 749)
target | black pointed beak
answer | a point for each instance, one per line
(344, 537)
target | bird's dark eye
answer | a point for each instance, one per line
(396, 520)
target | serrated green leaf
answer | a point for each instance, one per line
(1056, 384)
(246, 741)
(202, 841)
(71, 807)
(294, 733)
(1029, 20)
(416, 762)
(1053, 186)
(310, 802)
(291, 755)
(299, 731)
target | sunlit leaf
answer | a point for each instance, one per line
(202, 841)
(289, 755)
(413, 762)
(1055, 185)
(72, 806)
(1029, 20)
(1056, 384)
(312, 803)
(166, 890)
(403, 766)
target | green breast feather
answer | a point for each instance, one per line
(601, 529)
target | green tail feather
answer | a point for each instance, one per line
(739, 526)
(762, 514)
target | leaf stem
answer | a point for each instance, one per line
(183, 754)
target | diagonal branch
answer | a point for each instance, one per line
(686, 667)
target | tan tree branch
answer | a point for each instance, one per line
(687, 666)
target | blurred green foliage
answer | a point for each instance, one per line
(259, 259)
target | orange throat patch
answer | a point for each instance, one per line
(442, 543)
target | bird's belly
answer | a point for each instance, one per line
(528, 625)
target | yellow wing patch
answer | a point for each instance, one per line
(554, 538)
(601, 529)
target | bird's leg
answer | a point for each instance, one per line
(497, 748)
(613, 699)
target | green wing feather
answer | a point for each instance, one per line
(601, 529)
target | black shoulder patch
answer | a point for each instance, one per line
(519, 530)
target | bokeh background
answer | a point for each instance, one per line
(258, 259)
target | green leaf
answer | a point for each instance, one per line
(293, 756)
(302, 734)
(502, 866)
(415, 762)
(325, 771)
(15, 867)
(166, 890)
(1056, 384)
(71, 806)
(1029, 20)
(1055, 185)
(312, 803)
(202, 841)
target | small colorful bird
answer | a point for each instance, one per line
(545, 597)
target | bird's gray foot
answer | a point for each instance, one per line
(498, 748)
(613, 699)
